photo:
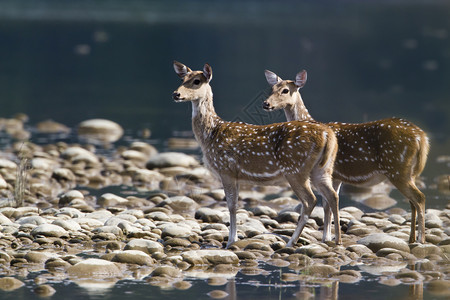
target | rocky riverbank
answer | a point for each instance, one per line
(175, 223)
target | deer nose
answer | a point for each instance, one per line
(176, 96)
(266, 105)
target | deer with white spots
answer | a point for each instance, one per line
(296, 151)
(368, 153)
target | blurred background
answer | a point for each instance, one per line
(74, 60)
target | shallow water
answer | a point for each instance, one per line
(72, 62)
(263, 286)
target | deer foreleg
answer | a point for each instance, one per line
(231, 189)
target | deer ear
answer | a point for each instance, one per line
(300, 79)
(207, 72)
(181, 69)
(271, 77)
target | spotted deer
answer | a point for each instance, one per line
(368, 153)
(235, 152)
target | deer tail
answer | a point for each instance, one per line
(422, 153)
(330, 149)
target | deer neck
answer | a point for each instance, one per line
(204, 117)
(297, 110)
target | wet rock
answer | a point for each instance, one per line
(180, 204)
(67, 197)
(210, 215)
(182, 285)
(7, 164)
(382, 266)
(359, 249)
(171, 159)
(50, 230)
(311, 250)
(409, 276)
(63, 174)
(69, 225)
(44, 164)
(347, 276)
(146, 246)
(320, 270)
(217, 281)
(37, 257)
(4, 220)
(176, 230)
(10, 284)
(264, 210)
(288, 216)
(354, 211)
(133, 257)
(34, 220)
(432, 219)
(423, 250)
(44, 290)
(425, 265)
(108, 199)
(77, 154)
(93, 267)
(147, 176)
(158, 216)
(210, 257)
(396, 219)
(166, 271)
(57, 265)
(100, 130)
(134, 156)
(50, 126)
(386, 252)
(145, 148)
(378, 241)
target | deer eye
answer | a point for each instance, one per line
(285, 91)
(197, 81)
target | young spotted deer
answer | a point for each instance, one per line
(368, 153)
(237, 152)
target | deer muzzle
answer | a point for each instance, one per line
(176, 96)
(266, 106)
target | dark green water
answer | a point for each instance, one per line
(72, 61)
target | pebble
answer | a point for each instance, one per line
(94, 267)
(210, 257)
(100, 130)
(378, 241)
(44, 290)
(10, 284)
(171, 159)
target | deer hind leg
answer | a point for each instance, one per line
(302, 190)
(417, 201)
(231, 188)
(327, 213)
(322, 181)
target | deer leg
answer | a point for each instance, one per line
(231, 189)
(417, 202)
(326, 220)
(412, 234)
(327, 213)
(302, 190)
(322, 181)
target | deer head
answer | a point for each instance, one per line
(195, 84)
(284, 92)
